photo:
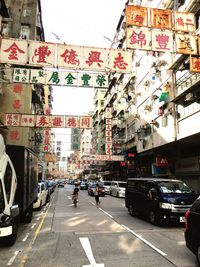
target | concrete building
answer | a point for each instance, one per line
(156, 109)
(98, 115)
(24, 21)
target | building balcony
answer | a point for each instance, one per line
(185, 84)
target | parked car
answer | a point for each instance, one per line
(51, 186)
(117, 188)
(61, 183)
(83, 185)
(192, 229)
(43, 196)
(107, 185)
(160, 200)
(92, 188)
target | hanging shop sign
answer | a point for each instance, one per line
(162, 32)
(105, 157)
(195, 64)
(108, 144)
(163, 41)
(136, 16)
(160, 18)
(47, 121)
(184, 21)
(63, 78)
(75, 139)
(186, 44)
(41, 54)
(46, 139)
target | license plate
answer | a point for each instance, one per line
(182, 219)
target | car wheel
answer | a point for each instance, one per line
(117, 194)
(153, 218)
(198, 254)
(11, 239)
(131, 210)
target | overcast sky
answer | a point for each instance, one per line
(83, 23)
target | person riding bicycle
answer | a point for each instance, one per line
(75, 194)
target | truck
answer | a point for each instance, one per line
(18, 188)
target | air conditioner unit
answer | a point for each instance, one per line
(147, 107)
(147, 83)
(189, 97)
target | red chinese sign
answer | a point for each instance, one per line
(48, 121)
(162, 41)
(14, 51)
(138, 38)
(184, 22)
(195, 64)
(161, 19)
(33, 53)
(136, 16)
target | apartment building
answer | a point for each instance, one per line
(156, 108)
(24, 21)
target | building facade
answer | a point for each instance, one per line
(23, 20)
(156, 108)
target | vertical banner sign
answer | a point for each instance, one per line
(75, 139)
(108, 147)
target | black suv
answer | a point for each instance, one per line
(192, 229)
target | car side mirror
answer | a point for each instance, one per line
(14, 210)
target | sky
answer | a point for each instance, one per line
(90, 23)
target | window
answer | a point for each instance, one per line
(8, 181)
(174, 187)
(5, 29)
(25, 32)
(27, 12)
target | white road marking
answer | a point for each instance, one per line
(106, 213)
(38, 218)
(33, 225)
(145, 241)
(13, 258)
(138, 236)
(26, 236)
(88, 251)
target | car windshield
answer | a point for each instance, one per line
(107, 183)
(94, 185)
(122, 185)
(174, 187)
(2, 204)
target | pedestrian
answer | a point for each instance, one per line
(75, 195)
(97, 195)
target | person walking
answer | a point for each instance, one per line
(97, 195)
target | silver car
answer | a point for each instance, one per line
(107, 185)
(117, 188)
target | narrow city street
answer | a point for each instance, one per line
(62, 235)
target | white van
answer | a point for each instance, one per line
(42, 197)
(117, 188)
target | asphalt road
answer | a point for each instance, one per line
(88, 236)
